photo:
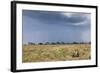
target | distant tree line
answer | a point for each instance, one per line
(57, 43)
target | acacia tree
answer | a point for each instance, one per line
(63, 43)
(53, 43)
(31, 43)
(47, 43)
(75, 43)
(40, 43)
(58, 43)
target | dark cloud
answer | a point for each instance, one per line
(51, 17)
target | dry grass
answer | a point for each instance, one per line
(42, 53)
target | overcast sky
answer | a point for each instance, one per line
(51, 26)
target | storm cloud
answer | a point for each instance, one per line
(53, 26)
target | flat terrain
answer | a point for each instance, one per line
(42, 53)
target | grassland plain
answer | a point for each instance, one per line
(46, 53)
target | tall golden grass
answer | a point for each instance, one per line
(46, 53)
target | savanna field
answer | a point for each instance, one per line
(46, 53)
